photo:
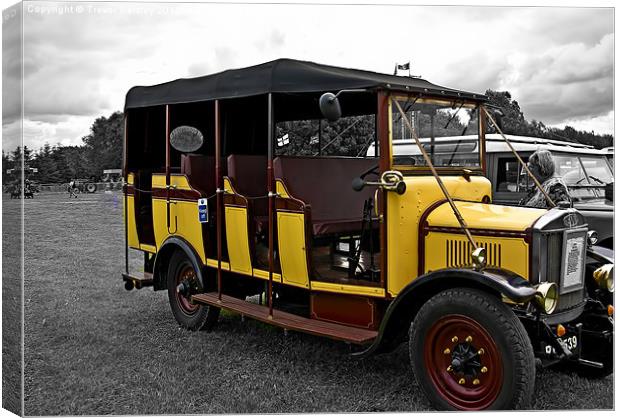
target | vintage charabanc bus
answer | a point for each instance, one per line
(250, 191)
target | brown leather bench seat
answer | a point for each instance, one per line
(249, 177)
(324, 183)
(248, 174)
(200, 172)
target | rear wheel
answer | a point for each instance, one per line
(470, 352)
(188, 315)
(91, 187)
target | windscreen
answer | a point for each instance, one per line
(584, 175)
(448, 131)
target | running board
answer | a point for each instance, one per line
(286, 320)
(135, 282)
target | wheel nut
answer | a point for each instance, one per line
(484, 369)
(449, 369)
(446, 351)
(476, 382)
(461, 381)
(469, 339)
(455, 339)
(481, 351)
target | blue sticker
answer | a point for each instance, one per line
(203, 211)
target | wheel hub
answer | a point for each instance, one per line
(187, 283)
(463, 362)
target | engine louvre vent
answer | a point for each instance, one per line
(458, 253)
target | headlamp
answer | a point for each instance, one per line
(604, 277)
(592, 237)
(547, 296)
(479, 258)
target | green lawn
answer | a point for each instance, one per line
(92, 348)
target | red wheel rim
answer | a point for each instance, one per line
(188, 275)
(463, 362)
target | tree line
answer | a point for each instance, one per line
(102, 148)
(514, 123)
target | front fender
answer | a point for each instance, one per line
(403, 309)
(601, 254)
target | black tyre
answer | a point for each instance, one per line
(469, 351)
(91, 187)
(191, 316)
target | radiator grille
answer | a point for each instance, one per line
(555, 242)
(458, 253)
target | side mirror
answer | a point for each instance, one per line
(358, 184)
(390, 180)
(330, 107)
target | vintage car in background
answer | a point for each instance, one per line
(587, 172)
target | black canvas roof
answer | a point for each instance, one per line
(279, 76)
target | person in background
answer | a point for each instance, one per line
(72, 189)
(542, 167)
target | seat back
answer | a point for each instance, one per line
(325, 184)
(249, 176)
(200, 172)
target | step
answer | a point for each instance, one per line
(135, 281)
(287, 320)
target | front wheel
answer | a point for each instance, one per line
(191, 316)
(469, 352)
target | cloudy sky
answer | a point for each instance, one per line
(80, 58)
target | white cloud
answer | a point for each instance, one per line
(36, 133)
(11, 135)
(603, 124)
(556, 62)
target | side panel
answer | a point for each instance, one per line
(237, 239)
(344, 309)
(404, 213)
(132, 231)
(292, 248)
(183, 212)
(453, 251)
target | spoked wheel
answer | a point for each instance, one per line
(188, 315)
(187, 274)
(463, 362)
(470, 352)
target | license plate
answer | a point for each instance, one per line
(570, 341)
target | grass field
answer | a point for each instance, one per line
(93, 348)
(11, 308)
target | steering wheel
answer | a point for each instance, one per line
(597, 180)
(580, 180)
